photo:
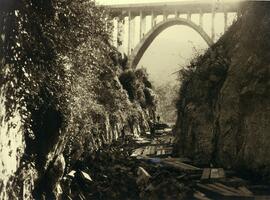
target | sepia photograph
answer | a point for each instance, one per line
(134, 100)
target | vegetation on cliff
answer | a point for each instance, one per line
(60, 72)
(167, 95)
(223, 106)
(139, 89)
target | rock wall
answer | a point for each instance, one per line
(12, 145)
(60, 96)
(223, 109)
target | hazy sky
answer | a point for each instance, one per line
(169, 52)
(175, 46)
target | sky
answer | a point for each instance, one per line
(176, 46)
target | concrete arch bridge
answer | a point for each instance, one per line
(137, 25)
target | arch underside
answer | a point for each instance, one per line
(140, 49)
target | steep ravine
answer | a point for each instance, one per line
(224, 107)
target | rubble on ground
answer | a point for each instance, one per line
(112, 173)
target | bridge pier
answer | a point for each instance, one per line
(225, 21)
(213, 25)
(131, 32)
(115, 32)
(153, 19)
(142, 24)
(165, 15)
(189, 16)
(120, 34)
(201, 19)
(176, 14)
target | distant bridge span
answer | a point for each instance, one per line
(127, 15)
(140, 49)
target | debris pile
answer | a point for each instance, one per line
(112, 173)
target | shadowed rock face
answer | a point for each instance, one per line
(224, 107)
(45, 125)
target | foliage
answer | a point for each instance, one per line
(59, 68)
(128, 81)
(167, 96)
(209, 71)
(138, 87)
(56, 65)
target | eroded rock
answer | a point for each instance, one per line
(223, 112)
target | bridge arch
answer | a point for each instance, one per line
(140, 49)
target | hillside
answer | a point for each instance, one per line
(223, 106)
(60, 93)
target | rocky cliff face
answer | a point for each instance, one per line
(60, 95)
(224, 107)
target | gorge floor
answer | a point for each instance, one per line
(143, 168)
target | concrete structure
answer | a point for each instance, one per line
(126, 16)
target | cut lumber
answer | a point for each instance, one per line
(220, 191)
(245, 190)
(217, 173)
(200, 196)
(176, 164)
(206, 173)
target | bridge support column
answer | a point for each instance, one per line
(142, 24)
(115, 31)
(153, 19)
(189, 16)
(225, 21)
(176, 14)
(201, 19)
(213, 25)
(165, 15)
(131, 32)
(107, 19)
(120, 34)
(115, 34)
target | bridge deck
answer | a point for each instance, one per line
(181, 7)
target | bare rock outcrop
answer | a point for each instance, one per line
(224, 107)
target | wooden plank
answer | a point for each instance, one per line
(200, 196)
(212, 191)
(164, 152)
(242, 191)
(152, 150)
(230, 188)
(217, 173)
(206, 173)
(223, 190)
(159, 152)
(233, 182)
(221, 173)
(180, 165)
(137, 152)
(216, 191)
(246, 191)
(146, 151)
